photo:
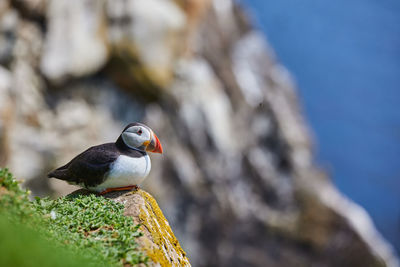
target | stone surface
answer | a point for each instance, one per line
(151, 32)
(75, 44)
(237, 180)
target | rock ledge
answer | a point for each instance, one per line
(158, 241)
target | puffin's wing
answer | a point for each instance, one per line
(89, 167)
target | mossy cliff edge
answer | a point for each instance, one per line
(118, 229)
(158, 241)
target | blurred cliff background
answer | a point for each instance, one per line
(237, 182)
(345, 57)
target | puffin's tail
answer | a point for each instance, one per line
(52, 174)
(59, 173)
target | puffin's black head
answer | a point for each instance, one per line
(138, 136)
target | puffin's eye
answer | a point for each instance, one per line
(139, 132)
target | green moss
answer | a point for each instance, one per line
(92, 223)
(22, 247)
(8, 182)
(92, 227)
(13, 200)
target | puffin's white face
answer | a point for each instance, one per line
(141, 137)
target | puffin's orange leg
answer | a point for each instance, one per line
(125, 188)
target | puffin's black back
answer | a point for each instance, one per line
(90, 167)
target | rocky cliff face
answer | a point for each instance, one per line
(236, 181)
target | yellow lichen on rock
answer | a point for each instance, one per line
(168, 251)
(158, 241)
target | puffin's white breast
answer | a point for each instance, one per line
(126, 171)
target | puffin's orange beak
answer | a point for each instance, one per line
(155, 145)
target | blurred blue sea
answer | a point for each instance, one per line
(345, 57)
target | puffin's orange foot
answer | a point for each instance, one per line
(125, 188)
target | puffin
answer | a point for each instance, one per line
(118, 166)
